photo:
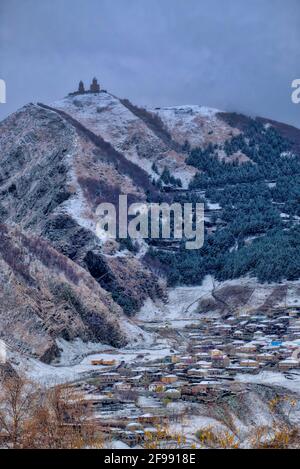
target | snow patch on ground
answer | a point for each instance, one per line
(289, 381)
(106, 116)
(182, 303)
(74, 351)
(76, 359)
(191, 123)
(77, 205)
(135, 334)
(212, 206)
(187, 112)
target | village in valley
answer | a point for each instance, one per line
(211, 362)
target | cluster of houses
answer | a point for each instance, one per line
(130, 400)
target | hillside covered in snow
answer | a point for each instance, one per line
(58, 162)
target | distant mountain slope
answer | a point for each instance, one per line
(130, 130)
(53, 175)
(251, 183)
(197, 125)
(45, 296)
(240, 122)
(58, 162)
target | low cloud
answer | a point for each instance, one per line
(242, 58)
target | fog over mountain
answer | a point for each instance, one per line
(242, 58)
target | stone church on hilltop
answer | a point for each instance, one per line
(94, 88)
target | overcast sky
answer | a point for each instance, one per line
(236, 55)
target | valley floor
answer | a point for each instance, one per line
(194, 370)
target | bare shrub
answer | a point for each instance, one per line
(32, 417)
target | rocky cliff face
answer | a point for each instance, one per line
(54, 173)
(44, 296)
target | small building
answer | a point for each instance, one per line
(169, 379)
(199, 372)
(200, 388)
(96, 362)
(247, 363)
(288, 364)
(219, 359)
(111, 362)
(108, 378)
(173, 393)
(122, 386)
(149, 419)
(175, 359)
(293, 314)
(266, 357)
(104, 362)
(203, 356)
(247, 348)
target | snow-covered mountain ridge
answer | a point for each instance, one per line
(57, 163)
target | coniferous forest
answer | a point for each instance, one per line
(257, 229)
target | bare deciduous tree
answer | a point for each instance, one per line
(33, 417)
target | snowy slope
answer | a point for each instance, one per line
(198, 125)
(105, 115)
